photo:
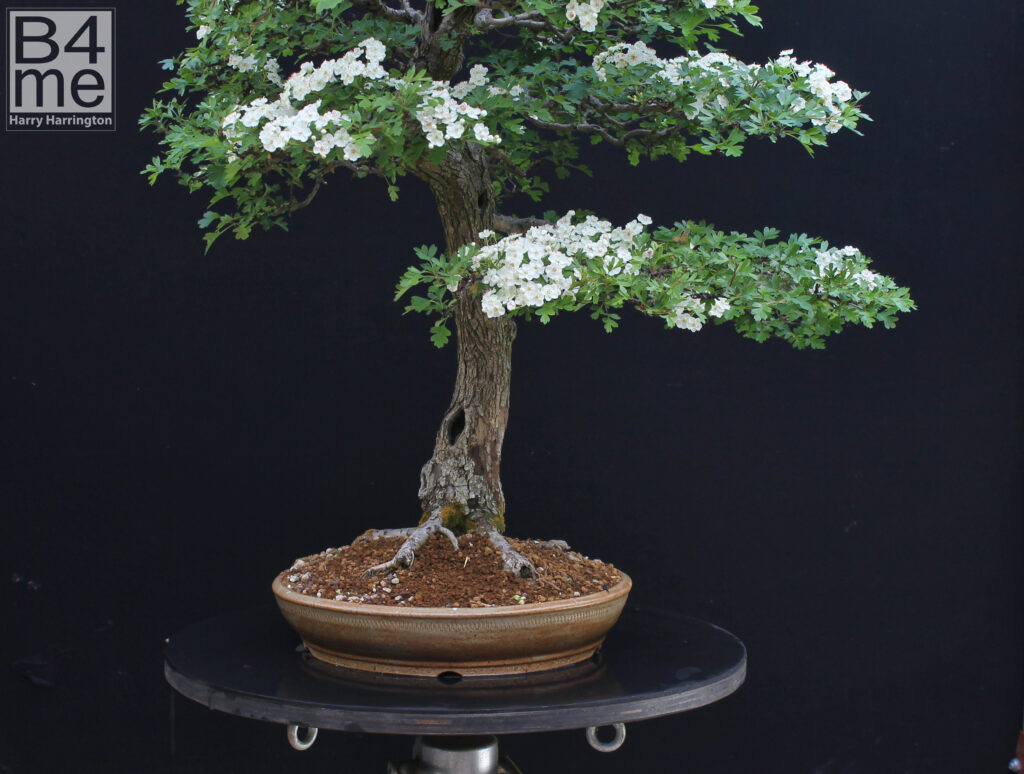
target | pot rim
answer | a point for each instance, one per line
(620, 589)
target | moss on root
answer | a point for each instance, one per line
(455, 518)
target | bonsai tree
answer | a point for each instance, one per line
(484, 100)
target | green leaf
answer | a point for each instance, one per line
(420, 304)
(330, 5)
(439, 333)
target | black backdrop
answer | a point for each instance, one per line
(179, 427)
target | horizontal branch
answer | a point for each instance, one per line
(406, 13)
(584, 127)
(650, 107)
(485, 21)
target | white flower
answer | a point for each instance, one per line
(244, 64)
(455, 129)
(586, 13)
(687, 321)
(272, 137)
(202, 31)
(588, 19)
(531, 294)
(867, 279)
(720, 307)
(828, 259)
(482, 133)
(273, 70)
(477, 75)
(323, 145)
(375, 50)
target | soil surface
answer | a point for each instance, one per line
(443, 577)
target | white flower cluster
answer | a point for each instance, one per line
(866, 279)
(586, 13)
(273, 70)
(544, 264)
(712, 3)
(835, 260)
(515, 92)
(834, 97)
(244, 64)
(285, 123)
(311, 78)
(202, 31)
(690, 314)
(442, 116)
(671, 70)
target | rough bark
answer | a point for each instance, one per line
(461, 481)
(460, 485)
(441, 37)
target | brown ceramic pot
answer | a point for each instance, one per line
(467, 641)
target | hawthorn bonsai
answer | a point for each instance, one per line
(484, 100)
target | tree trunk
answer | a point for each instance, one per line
(461, 481)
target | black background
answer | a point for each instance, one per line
(177, 427)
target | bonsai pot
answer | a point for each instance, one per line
(432, 641)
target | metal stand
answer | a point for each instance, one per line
(652, 664)
(451, 755)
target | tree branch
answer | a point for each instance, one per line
(511, 225)
(651, 107)
(486, 21)
(441, 38)
(406, 13)
(503, 169)
(584, 127)
(317, 182)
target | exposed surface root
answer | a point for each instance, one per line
(559, 544)
(378, 534)
(415, 537)
(513, 561)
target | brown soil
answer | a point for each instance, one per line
(443, 577)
